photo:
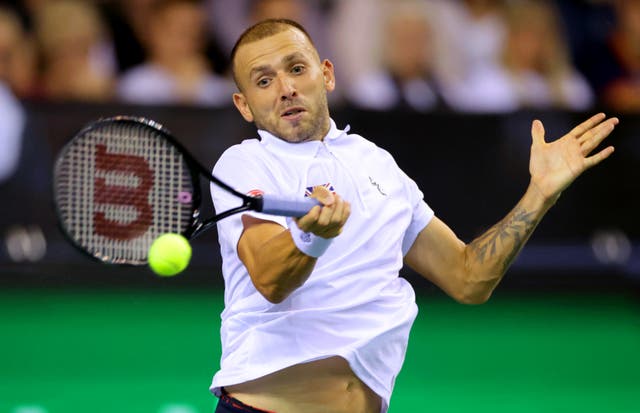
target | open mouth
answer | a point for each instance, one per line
(292, 112)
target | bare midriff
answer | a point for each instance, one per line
(326, 385)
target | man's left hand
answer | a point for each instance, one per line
(555, 165)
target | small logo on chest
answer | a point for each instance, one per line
(378, 186)
(309, 190)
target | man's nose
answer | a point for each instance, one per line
(287, 88)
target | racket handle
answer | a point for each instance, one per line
(287, 207)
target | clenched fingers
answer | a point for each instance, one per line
(332, 218)
(327, 220)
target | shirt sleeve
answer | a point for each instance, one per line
(248, 177)
(422, 213)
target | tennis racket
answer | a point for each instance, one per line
(121, 182)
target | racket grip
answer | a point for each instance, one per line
(287, 207)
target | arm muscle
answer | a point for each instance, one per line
(276, 266)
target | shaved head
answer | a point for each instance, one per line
(261, 30)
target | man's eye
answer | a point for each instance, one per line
(263, 82)
(297, 69)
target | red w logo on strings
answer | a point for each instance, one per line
(131, 189)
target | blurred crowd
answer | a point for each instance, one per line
(463, 56)
(492, 56)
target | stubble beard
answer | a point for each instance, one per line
(313, 129)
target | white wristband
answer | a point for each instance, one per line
(307, 242)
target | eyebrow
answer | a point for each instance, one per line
(293, 56)
(285, 60)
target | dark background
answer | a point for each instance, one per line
(471, 168)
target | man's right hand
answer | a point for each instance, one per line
(325, 221)
(275, 264)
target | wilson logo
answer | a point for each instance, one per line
(123, 183)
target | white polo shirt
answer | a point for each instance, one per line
(354, 304)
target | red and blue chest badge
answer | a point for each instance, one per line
(309, 190)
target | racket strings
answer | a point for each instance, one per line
(119, 186)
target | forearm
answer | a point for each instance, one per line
(553, 167)
(488, 257)
(276, 266)
(470, 272)
(279, 267)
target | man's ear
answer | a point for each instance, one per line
(241, 104)
(329, 75)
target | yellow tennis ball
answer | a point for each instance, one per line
(169, 254)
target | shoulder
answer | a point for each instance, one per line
(362, 143)
(355, 140)
(249, 150)
(248, 147)
(361, 150)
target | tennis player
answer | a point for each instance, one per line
(316, 318)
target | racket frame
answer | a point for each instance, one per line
(196, 226)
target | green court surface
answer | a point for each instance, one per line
(136, 350)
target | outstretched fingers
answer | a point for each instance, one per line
(592, 138)
(588, 124)
(595, 159)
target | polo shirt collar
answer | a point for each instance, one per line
(305, 149)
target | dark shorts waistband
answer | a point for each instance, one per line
(228, 404)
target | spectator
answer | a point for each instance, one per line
(77, 57)
(587, 25)
(616, 72)
(24, 183)
(13, 69)
(226, 19)
(11, 127)
(355, 45)
(177, 70)
(534, 70)
(23, 163)
(406, 77)
(265, 9)
(468, 35)
(465, 34)
(17, 58)
(127, 21)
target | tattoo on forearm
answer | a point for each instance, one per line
(514, 229)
